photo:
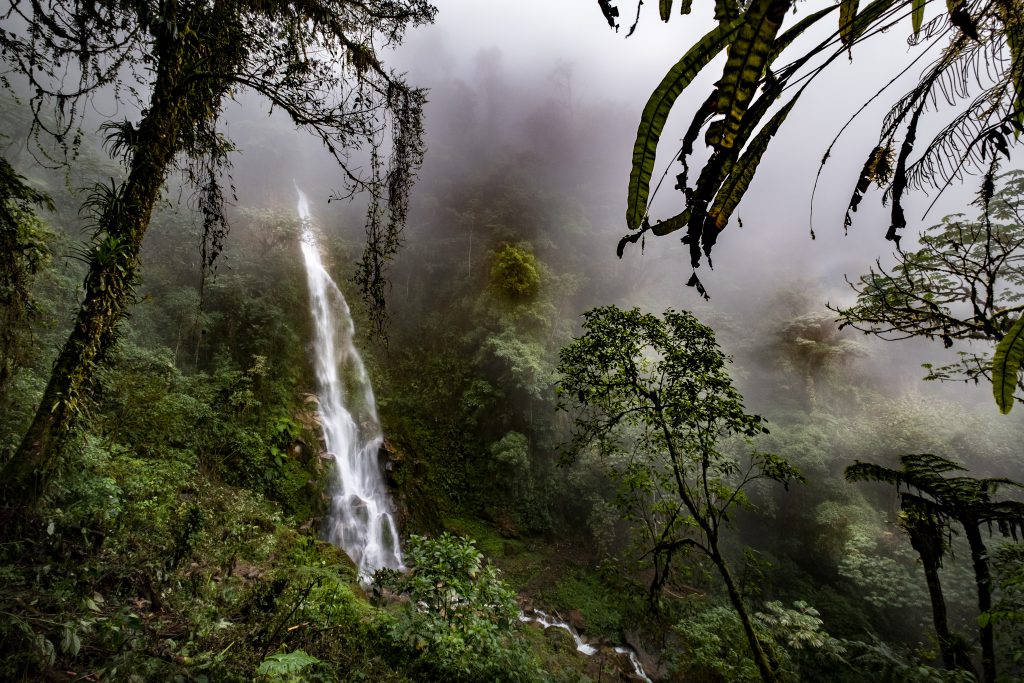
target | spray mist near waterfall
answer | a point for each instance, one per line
(362, 521)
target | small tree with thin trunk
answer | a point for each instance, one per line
(653, 396)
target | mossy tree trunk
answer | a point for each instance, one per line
(123, 215)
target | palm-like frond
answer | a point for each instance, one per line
(748, 58)
(982, 44)
(656, 112)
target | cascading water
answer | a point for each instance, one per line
(362, 522)
(546, 621)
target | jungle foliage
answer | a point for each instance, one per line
(656, 401)
(178, 540)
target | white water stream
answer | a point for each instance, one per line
(547, 621)
(362, 522)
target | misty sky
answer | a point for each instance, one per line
(523, 65)
(513, 50)
(526, 40)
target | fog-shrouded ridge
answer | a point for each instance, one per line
(362, 521)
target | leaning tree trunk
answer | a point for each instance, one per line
(114, 262)
(767, 665)
(983, 580)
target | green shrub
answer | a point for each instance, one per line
(461, 618)
(514, 273)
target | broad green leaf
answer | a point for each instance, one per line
(918, 16)
(847, 13)
(652, 122)
(748, 57)
(1006, 366)
(285, 664)
(665, 6)
(743, 170)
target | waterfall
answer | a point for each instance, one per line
(362, 522)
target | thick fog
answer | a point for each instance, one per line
(529, 77)
(549, 91)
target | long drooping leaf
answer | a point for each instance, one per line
(899, 177)
(652, 122)
(671, 224)
(743, 170)
(611, 13)
(877, 167)
(700, 229)
(869, 15)
(794, 32)
(660, 229)
(918, 16)
(961, 17)
(1012, 16)
(748, 57)
(1006, 366)
(726, 10)
(714, 173)
(665, 7)
(847, 13)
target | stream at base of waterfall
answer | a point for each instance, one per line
(362, 521)
(546, 621)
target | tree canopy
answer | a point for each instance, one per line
(963, 284)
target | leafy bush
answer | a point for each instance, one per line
(713, 647)
(460, 618)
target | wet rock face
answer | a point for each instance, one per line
(389, 459)
(576, 619)
(415, 508)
